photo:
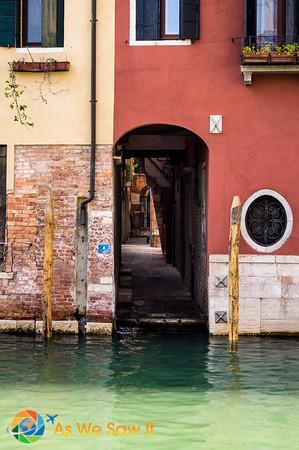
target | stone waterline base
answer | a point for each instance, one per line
(59, 327)
(269, 294)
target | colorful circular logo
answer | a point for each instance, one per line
(27, 426)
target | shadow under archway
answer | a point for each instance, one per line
(160, 202)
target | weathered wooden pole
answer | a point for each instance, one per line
(233, 282)
(48, 267)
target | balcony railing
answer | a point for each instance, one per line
(260, 41)
(270, 50)
(12, 251)
(269, 55)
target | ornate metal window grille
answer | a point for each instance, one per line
(266, 220)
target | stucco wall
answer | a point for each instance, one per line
(65, 119)
(184, 85)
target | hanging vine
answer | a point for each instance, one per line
(14, 92)
(45, 86)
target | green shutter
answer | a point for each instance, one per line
(189, 19)
(147, 20)
(9, 23)
(60, 23)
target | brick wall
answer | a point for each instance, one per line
(66, 170)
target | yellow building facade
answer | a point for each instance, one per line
(54, 155)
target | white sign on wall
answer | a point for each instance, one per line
(216, 124)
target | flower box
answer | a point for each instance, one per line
(44, 66)
(255, 58)
(281, 58)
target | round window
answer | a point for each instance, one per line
(266, 221)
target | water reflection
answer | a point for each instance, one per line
(198, 393)
(160, 361)
(262, 364)
(134, 361)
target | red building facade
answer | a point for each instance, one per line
(245, 118)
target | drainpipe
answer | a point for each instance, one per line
(93, 111)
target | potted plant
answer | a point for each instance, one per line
(283, 54)
(252, 55)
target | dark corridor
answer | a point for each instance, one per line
(160, 226)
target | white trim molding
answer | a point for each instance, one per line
(29, 50)
(162, 42)
(289, 227)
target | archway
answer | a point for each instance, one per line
(160, 226)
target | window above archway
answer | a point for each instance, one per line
(163, 22)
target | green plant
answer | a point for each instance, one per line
(265, 49)
(279, 49)
(127, 172)
(252, 50)
(290, 48)
(136, 166)
(249, 50)
(14, 91)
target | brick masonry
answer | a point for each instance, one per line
(269, 293)
(66, 170)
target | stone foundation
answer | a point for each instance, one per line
(269, 294)
(66, 170)
(58, 327)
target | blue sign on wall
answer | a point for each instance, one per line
(104, 248)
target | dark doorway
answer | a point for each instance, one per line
(160, 225)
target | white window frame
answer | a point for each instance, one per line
(134, 42)
(289, 227)
(40, 49)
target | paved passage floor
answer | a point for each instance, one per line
(157, 291)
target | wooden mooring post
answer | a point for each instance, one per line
(48, 267)
(233, 282)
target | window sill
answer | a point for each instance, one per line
(40, 50)
(161, 42)
(249, 70)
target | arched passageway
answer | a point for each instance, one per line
(160, 226)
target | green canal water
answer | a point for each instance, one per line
(197, 394)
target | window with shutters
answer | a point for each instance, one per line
(167, 19)
(31, 23)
